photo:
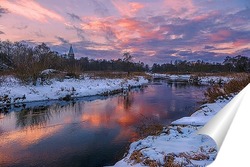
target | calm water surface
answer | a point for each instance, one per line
(90, 132)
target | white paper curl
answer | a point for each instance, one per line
(231, 125)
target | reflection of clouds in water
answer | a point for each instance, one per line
(117, 115)
(15, 142)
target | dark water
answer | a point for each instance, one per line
(92, 131)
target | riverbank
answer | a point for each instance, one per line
(204, 79)
(13, 91)
(178, 144)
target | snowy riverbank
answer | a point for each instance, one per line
(12, 91)
(205, 80)
(178, 144)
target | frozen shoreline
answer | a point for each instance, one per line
(178, 144)
(12, 91)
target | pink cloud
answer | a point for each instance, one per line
(127, 9)
(241, 42)
(135, 7)
(181, 8)
(220, 35)
(31, 10)
(205, 16)
(125, 31)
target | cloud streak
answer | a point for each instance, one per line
(31, 10)
(100, 8)
(3, 11)
(62, 40)
(74, 17)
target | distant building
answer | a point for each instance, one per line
(71, 54)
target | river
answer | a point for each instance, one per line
(92, 131)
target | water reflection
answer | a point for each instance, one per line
(33, 117)
(88, 132)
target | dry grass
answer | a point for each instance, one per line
(115, 75)
(149, 127)
(170, 161)
(136, 157)
(224, 91)
(150, 163)
(196, 156)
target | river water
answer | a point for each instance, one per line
(92, 131)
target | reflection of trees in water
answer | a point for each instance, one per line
(40, 115)
(33, 117)
(178, 84)
(127, 99)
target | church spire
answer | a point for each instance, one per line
(71, 54)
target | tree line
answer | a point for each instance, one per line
(28, 62)
(230, 64)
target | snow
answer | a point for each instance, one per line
(200, 120)
(18, 92)
(179, 77)
(214, 79)
(48, 71)
(189, 78)
(179, 141)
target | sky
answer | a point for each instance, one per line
(153, 31)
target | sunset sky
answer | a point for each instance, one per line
(152, 30)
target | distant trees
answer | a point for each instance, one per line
(237, 64)
(27, 62)
(230, 64)
(127, 59)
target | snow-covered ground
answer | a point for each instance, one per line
(12, 91)
(178, 144)
(192, 78)
(214, 79)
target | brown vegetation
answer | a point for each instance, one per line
(149, 127)
(224, 91)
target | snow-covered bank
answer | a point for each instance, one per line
(192, 78)
(178, 144)
(12, 91)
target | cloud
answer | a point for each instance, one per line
(209, 47)
(127, 8)
(39, 34)
(1, 32)
(159, 30)
(221, 35)
(3, 11)
(79, 31)
(31, 10)
(183, 8)
(241, 42)
(100, 8)
(74, 17)
(20, 27)
(62, 40)
(244, 52)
